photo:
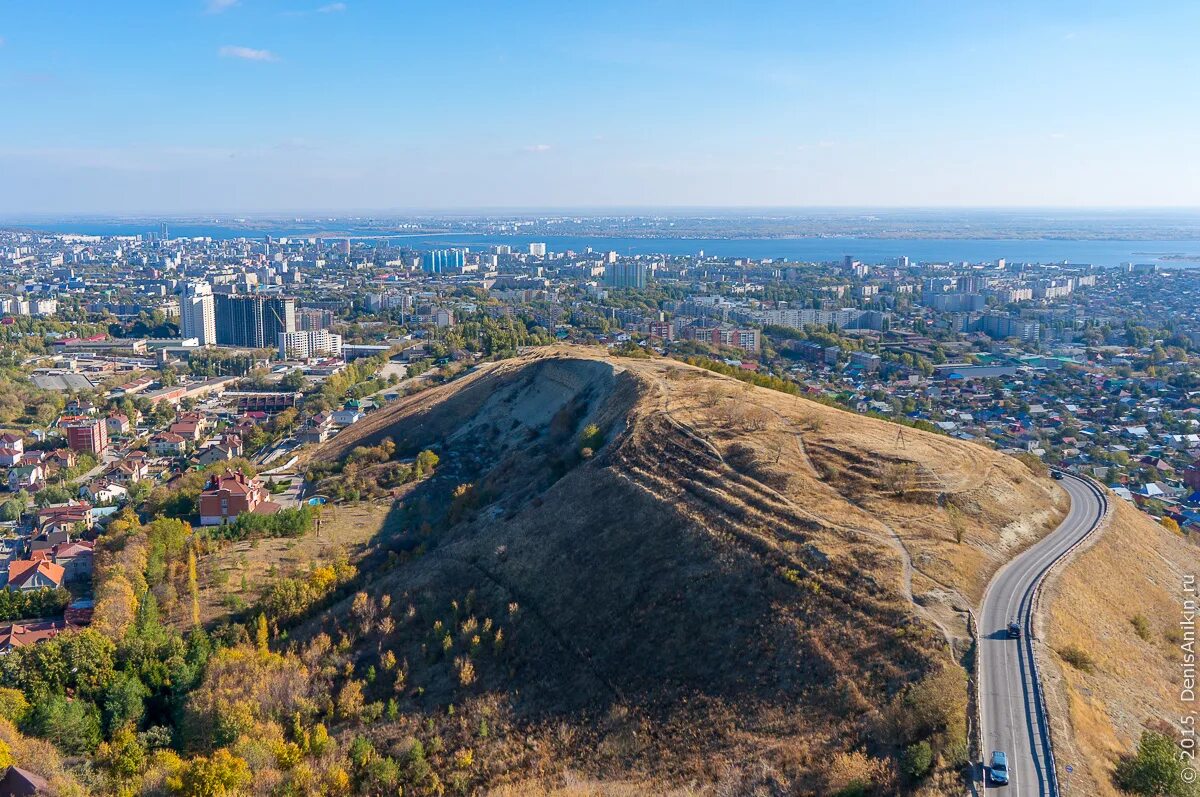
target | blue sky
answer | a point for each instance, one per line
(273, 105)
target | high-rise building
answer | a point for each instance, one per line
(197, 313)
(999, 327)
(310, 319)
(440, 261)
(625, 275)
(253, 321)
(537, 250)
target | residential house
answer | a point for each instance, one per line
(10, 457)
(81, 407)
(26, 477)
(103, 491)
(168, 444)
(117, 423)
(1157, 463)
(75, 558)
(129, 470)
(198, 418)
(227, 448)
(13, 441)
(27, 574)
(346, 416)
(188, 430)
(316, 429)
(30, 458)
(230, 494)
(66, 515)
(20, 635)
(61, 458)
(51, 535)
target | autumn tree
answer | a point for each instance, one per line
(193, 588)
(220, 775)
(261, 634)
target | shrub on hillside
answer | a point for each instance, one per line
(1078, 658)
(289, 598)
(1034, 463)
(917, 760)
(591, 438)
(935, 704)
(855, 774)
(1141, 626)
(1155, 769)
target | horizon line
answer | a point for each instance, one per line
(574, 210)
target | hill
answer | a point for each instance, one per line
(650, 573)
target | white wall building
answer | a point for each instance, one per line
(311, 343)
(197, 313)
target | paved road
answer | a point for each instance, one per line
(1011, 705)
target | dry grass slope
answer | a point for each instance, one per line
(1135, 569)
(738, 581)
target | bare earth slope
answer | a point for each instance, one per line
(1135, 569)
(737, 581)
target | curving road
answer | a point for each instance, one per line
(1011, 703)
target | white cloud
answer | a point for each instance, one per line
(246, 53)
(328, 8)
(217, 6)
(1058, 136)
(537, 148)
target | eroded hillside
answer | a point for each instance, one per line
(663, 575)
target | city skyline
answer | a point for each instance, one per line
(257, 106)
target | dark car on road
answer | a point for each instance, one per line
(1014, 630)
(998, 771)
(1056, 474)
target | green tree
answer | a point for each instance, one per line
(12, 509)
(72, 725)
(917, 760)
(124, 702)
(55, 494)
(1156, 769)
(88, 655)
(293, 380)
